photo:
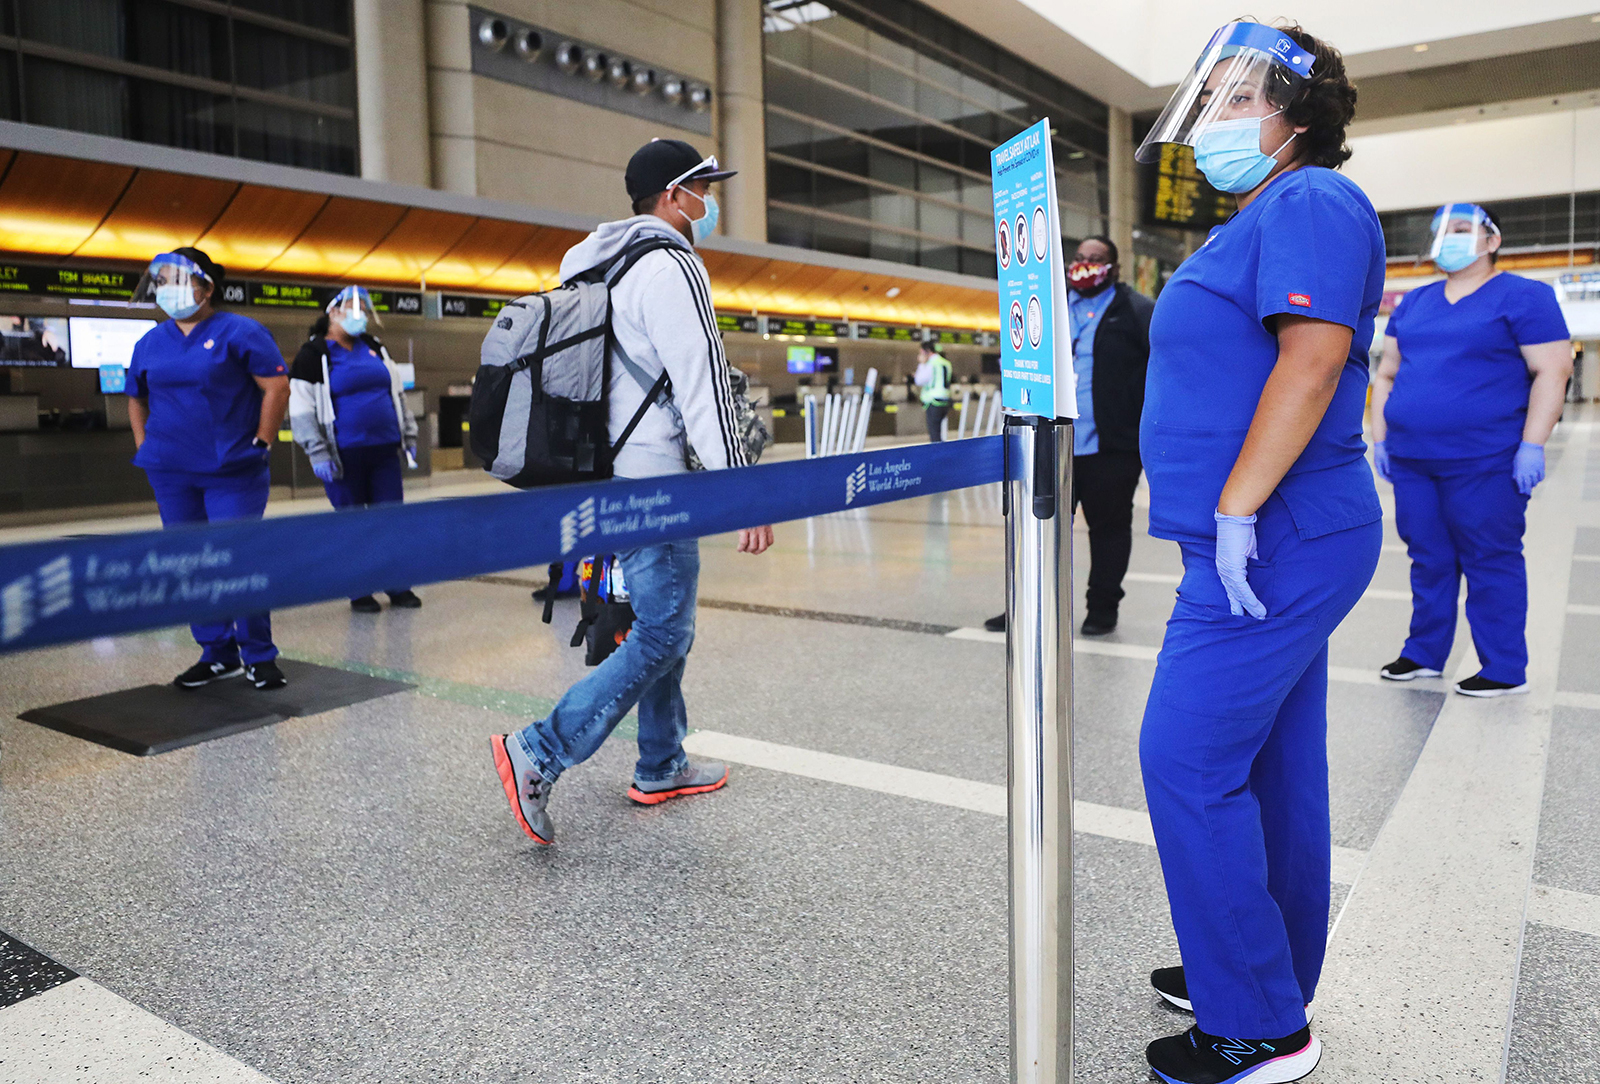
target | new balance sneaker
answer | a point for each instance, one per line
(700, 778)
(1174, 989)
(1478, 685)
(528, 791)
(204, 673)
(366, 604)
(1404, 669)
(405, 600)
(265, 675)
(1197, 1058)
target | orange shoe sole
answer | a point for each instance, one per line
(656, 797)
(508, 779)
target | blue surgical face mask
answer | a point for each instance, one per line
(1229, 153)
(703, 226)
(1456, 251)
(355, 323)
(177, 300)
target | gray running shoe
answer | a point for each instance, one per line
(702, 778)
(528, 791)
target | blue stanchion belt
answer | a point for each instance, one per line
(78, 588)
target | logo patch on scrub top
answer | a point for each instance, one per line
(1303, 300)
(210, 343)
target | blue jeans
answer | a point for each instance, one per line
(646, 670)
(193, 497)
(1465, 516)
(1234, 749)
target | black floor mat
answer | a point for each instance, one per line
(160, 718)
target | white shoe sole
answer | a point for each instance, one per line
(1515, 690)
(1412, 676)
(1286, 1069)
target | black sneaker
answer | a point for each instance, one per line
(1170, 984)
(996, 623)
(1404, 669)
(266, 675)
(204, 673)
(406, 600)
(1099, 624)
(366, 604)
(1478, 685)
(1197, 1058)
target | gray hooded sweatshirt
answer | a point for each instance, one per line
(662, 319)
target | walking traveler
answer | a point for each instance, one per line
(662, 323)
(1110, 324)
(1251, 440)
(1473, 375)
(348, 412)
(933, 376)
(206, 393)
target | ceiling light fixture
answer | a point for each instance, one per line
(1419, 48)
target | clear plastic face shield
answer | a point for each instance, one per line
(175, 284)
(351, 308)
(1247, 73)
(1462, 233)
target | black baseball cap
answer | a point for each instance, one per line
(662, 162)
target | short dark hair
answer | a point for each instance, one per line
(213, 271)
(1324, 103)
(1111, 246)
(1494, 220)
(645, 205)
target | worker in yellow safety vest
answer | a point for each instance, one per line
(933, 377)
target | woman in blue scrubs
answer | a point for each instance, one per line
(1251, 441)
(347, 407)
(206, 393)
(1470, 387)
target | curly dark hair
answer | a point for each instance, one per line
(1325, 103)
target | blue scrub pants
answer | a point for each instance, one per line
(1465, 515)
(370, 475)
(1235, 756)
(191, 497)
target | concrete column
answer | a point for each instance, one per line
(449, 102)
(741, 115)
(392, 91)
(1124, 186)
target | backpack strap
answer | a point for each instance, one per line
(611, 273)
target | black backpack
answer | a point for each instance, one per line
(539, 412)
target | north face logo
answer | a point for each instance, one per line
(855, 483)
(576, 524)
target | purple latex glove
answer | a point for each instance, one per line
(1380, 460)
(1528, 467)
(1236, 544)
(324, 471)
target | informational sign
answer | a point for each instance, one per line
(100, 341)
(34, 341)
(790, 325)
(1176, 193)
(470, 305)
(1033, 284)
(87, 282)
(956, 338)
(738, 321)
(890, 333)
(287, 295)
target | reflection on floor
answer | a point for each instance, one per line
(344, 898)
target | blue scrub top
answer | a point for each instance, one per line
(1462, 389)
(205, 406)
(1086, 314)
(363, 397)
(1308, 245)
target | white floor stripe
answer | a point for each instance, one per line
(1349, 675)
(1578, 700)
(1089, 818)
(1581, 608)
(1420, 977)
(1586, 556)
(1560, 907)
(82, 1033)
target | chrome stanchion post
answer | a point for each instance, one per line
(1038, 511)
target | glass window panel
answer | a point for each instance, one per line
(978, 230)
(943, 257)
(274, 134)
(788, 136)
(978, 263)
(845, 238)
(892, 246)
(891, 168)
(79, 99)
(789, 183)
(94, 26)
(938, 182)
(330, 15)
(299, 67)
(785, 227)
(9, 106)
(835, 61)
(842, 153)
(938, 220)
(179, 117)
(893, 85)
(179, 39)
(892, 209)
(842, 197)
